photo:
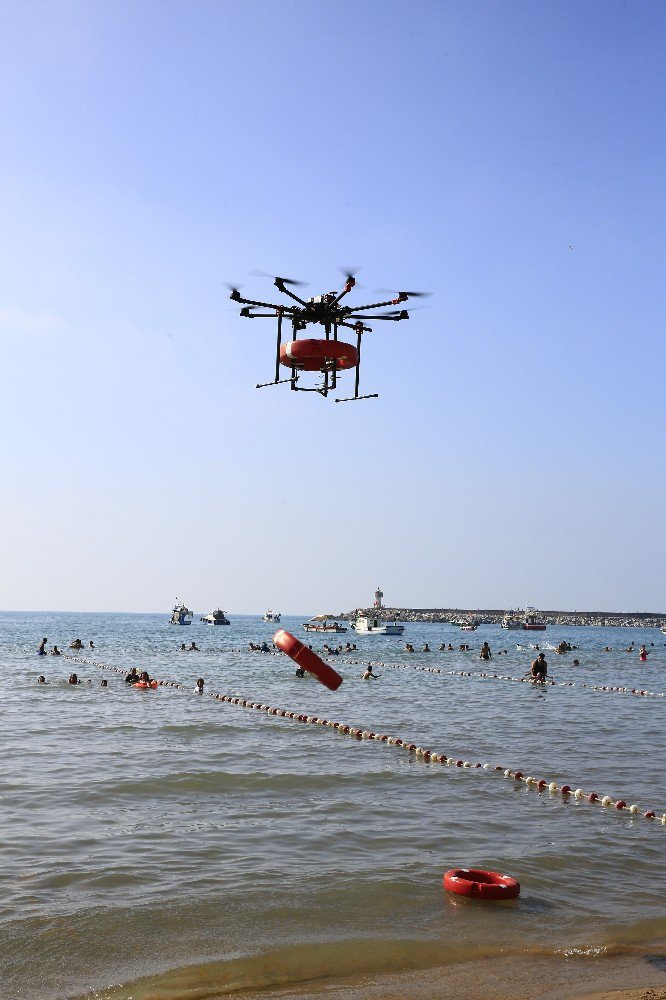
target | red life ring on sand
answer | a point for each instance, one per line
(316, 355)
(305, 658)
(480, 884)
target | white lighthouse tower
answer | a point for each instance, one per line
(378, 599)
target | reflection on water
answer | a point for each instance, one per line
(152, 831)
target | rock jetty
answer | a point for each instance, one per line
(451, 616)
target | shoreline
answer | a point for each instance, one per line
(516, 977)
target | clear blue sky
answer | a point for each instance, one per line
(509, 157)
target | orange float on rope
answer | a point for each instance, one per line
(318, 355)
(480, 884)
(306, 659)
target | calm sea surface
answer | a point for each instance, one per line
(149, 832)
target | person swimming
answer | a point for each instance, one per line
(77, 644)
(368, 675)
(539, 669)
(42, 647)
(55, 651)
(41, 679)
(643, 654)
(485, 653)
(300, 671)
(200, 686)
(132, 677)
(426, 648)
(104, 683)
(91, 644)
(73, 679)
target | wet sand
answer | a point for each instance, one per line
(511, 978)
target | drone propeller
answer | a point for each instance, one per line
(412, 295)
(275, 277)
(349, 272)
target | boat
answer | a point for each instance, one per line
(323, 623)
(180, 615)
(467, 627)
(215, 618)
(364, 625)
(532, 622)
(663, 628)
(512, 621)
(272, 616)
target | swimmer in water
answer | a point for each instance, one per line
(77, 644)
(576, 663)
(643, 654)
(426, 648)
(91, 644)
(55, 651)
(42, 648)
(485, 653)
(73, 679)
(300, 671)
(368, 675)
(132, 677)
(104, 683)
(41, 679)
(539, 669)
(183, 647)
(194, 648)
(200, 686)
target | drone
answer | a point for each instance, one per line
(328, 355)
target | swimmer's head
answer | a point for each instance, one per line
(41, 679)
(104, 683)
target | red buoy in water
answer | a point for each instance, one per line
(480, 885)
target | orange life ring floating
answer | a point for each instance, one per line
(144, 686)
(480, 884)
(306, 659)
(318, 355)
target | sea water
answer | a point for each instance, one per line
(148, 832)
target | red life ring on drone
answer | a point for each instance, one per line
(480, 884)
(305, 658)
(316, 355)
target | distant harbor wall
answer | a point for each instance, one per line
(443, 616)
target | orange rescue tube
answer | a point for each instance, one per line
(144, 686)
(318, 355)
(305, 658)
(480, 884)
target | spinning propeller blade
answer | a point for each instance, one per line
(276, 277)
(412, 295)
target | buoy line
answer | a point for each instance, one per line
(502, 677)
(419, 753)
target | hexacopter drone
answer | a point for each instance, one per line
(328, 355)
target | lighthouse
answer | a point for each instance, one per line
(378, 599)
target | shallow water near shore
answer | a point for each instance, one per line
(196, 848)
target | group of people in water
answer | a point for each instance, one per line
(76, 644)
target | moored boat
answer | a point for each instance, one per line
(272, 616)
(323, 623)
(512, 621)
(215, 618)
(364, 625)
(532, 622)
(180, 615)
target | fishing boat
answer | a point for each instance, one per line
(323, 623)
(467, 627)
(364, 625)
(180, 615)
(532, 622)
(512, 621)
(215, 618)
(272, 616)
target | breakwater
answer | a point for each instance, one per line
(494, 616)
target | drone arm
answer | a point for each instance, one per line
(265, 305)
(380, 305)
(349, 284)
(280, 285)
(395, 316)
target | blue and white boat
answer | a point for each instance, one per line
(180, 615)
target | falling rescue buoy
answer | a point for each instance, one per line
(318, 355)
(480, 884)
(306, 659)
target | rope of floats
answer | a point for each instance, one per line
(501, 677)
(419, 753)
